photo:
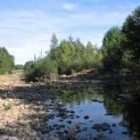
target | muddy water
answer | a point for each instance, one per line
(95, 112)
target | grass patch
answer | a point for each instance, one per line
(7, 106)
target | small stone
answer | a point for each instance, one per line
(84, 129)
(78, 126)
(69, 122)
(72, 112)
(97, 126)
(86, 117)
(125, 133)
(2, 131)
(77, 116)
(105, 126)
(101, 137)
(124, 123)
(114, 125)
(110, 131)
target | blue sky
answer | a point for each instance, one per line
(26, 26)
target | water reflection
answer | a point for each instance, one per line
(116, 105)
(125, 100)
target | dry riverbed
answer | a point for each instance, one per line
(34, 112)
(21, 109)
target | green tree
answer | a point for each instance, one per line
(112, 47)
(89, 55)
(131, 29)
(112, 41)
(6, 61)
(54, 41)
(35, 70)
(66, 57)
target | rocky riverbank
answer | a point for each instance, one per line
(28, 109)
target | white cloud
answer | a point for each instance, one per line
(69, 6)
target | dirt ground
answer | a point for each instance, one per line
(19, 108)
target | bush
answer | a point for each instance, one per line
(6, 61)
(35, 70)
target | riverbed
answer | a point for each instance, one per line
(79, 110)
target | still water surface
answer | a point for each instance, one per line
(96, 105)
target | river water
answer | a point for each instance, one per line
(81, 111)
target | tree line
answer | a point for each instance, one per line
(66, 57)
(121, 46)
(120, 52)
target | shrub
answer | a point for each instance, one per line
(35, 70)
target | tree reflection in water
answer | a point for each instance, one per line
(117, 99)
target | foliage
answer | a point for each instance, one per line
(6, 61)
(131, 29)
(35, 70)
(120, 52)
(112, 47)
(112, 41)
(72, 56)
(121, 47)
(19, 66)
(65, 58)
(7, 106)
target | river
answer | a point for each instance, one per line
(87, 111)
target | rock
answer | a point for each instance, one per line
(125, 133)
(101, 137)
(61, 106)
(20, 130)
(66, 131)
(105, 126)
(108, 114)
(50, 116)
(62, 126)
(86, 117)
(71, 134)
(60, 120)
(110, 131)
(53, 138)
(61, 109)
(101, 127)
(77, 117)
(55, 125)
(124, 123)
(44, 129)
(114, 125)
(35, 125)
(97, 126)
(2, 131)
(134, 133)
(96, 100)
(78, 126)
(84, 129)
(72, 112)
(69, 122)
(72, 117)
(61, 112)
